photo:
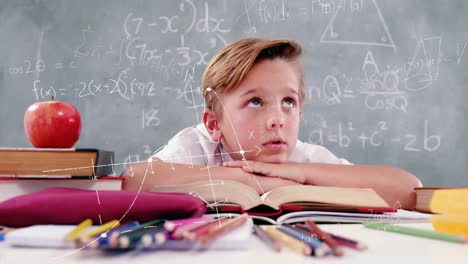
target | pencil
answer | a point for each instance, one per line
(203, 229)
(133, 238)
(78, 229)
(343, 241)
(154, 240)
(289, 241)
(224, 227)
(105, 241)
(416, 232)
(84, 236)
(318, 248)
(330, 241)
(182, 231)
(175, 224)
(267, 239)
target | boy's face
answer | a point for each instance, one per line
(261, 117)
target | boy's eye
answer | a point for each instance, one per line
(289, 102)
(254, 103)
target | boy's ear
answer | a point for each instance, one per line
(211, 124)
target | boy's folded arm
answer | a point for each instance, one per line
(394, 185)
(147, 175)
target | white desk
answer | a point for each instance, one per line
(384, 247)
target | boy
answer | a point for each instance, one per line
(254, 92)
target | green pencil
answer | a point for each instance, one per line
(416, 232)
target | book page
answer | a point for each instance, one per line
(218, 192)
(357, 197)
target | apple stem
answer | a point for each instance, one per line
(53, 98)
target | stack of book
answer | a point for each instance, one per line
(25, 170)
(450, 206)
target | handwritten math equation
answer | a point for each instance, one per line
(389, 88)
(346, 134)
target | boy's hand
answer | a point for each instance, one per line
(279, 170)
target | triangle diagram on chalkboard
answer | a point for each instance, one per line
(364, 27)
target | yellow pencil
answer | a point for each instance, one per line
(289, 241)
(96, 231)
(78, 229)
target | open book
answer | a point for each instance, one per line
(232, 196)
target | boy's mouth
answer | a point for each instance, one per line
(275, 144)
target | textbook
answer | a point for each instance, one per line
(55, 162)
(233, 196)
(442, 200)
(11, 187)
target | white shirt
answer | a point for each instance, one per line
(193, 145)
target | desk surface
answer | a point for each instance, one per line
(384, 247)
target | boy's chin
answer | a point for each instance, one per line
(273, 159)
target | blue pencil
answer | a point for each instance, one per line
(319, 249)
(105, 241)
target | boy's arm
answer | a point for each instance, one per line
(146, 175)
(394, 185)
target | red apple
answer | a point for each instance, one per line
(52, 124)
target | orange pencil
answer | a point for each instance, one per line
(224, 227)
(337, 250)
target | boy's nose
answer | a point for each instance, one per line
(275, 120)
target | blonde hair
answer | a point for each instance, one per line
(229, 66)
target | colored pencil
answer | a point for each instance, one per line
(267, 239)
(330, 241)
(172, 225)
(78, 229)
(154, 240)
(416, 232)
(289, 241)
(203, 229)
(222, 228)
(132, 239)
(84, 236)
(184, 230)
(104, 240)
(319, 249)
(343, 241)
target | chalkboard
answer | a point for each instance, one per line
(386, 81)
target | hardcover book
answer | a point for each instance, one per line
(55, 162)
